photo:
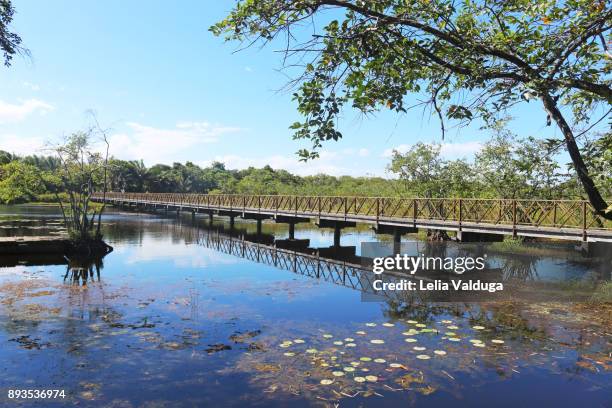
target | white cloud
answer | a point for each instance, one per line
(31, 86)
(22, 145)
(17, 112)
(363, 152)
(447, 150)
(248, 69)
(155, 145)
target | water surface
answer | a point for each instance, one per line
(182, 314)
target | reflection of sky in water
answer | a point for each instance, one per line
(140, 334)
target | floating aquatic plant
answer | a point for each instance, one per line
(371, 324)
(361, 332)
(440, 352)
(365, 359)
(418, 348)
(360, 379)
(380, 360)
(423, 357)
(337, 373)
(410, 340)
(371, 378)
(327, 382)
(478, 327)
(388, 324)
(497, 341)
(377, 341)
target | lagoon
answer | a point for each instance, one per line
(182, 314)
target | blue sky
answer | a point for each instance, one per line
(170, 91)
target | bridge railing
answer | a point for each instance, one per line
(538, 213)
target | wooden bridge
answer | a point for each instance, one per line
(471, 219)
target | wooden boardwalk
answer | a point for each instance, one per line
(472, 219)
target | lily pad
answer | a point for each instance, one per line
(365, 359)
(452, 327)
(395, 365)
(289, 354)
(348, 339)
(380, 360)
(423, 357)
(411, 321)
(327, 382)
(410, 340)
(350, 345)
(497, 341)
(418, 348)
(478, 327)
(327, 336)
(371, 378)
(311, 351)
(420, 325)
(377, 341)
(337, 373)
(359, 379)
(454, 339)
(361, 332)
(338, 343)
(349, 369)
(388, 324)
(440, 352)
(371, 324)
(298, 341)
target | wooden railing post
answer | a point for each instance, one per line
(513, 218)
(460, 212)
(584, 221)
(377, 209)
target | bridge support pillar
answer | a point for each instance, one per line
(259, 227)
(337, 225)
(467, 236)
(292, 230)
(210, 218)
(284, 219)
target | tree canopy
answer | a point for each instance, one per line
(471, 59)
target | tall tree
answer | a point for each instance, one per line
(473, 59)
(10, 42)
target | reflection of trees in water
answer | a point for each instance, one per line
(519, 267)
(505, 316)
(80, 270)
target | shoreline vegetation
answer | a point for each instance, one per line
(502, 169)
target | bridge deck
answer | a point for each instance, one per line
(560, 219)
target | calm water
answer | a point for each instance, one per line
(180, 314)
